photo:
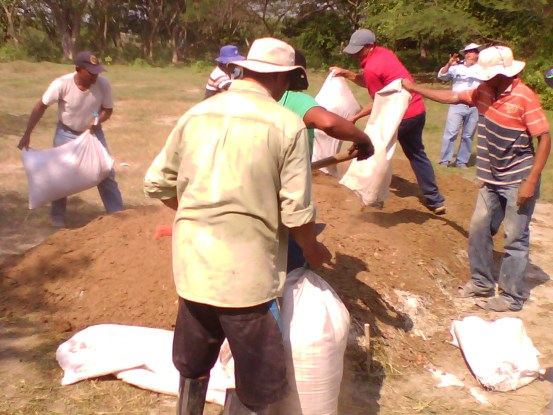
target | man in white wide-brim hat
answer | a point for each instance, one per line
(510, 169)
(459, 116)
(236, 170)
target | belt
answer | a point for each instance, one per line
(68, 129)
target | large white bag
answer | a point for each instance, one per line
(315, 330)
(500, 354)
(61, 171)
(140, 356)
(335, 96)
(371, 178)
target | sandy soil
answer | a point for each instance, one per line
(396, 268)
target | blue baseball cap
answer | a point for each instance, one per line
(548, 76)
(229, 53)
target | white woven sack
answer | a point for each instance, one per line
(335, 96)
(315, 329)
(500, 354)
(61, 171)
(371, 178)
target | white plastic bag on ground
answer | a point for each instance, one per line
(315, 329)
(371, 178)
(335, 96)
(500, 354)
(140, 356)
(61, 171)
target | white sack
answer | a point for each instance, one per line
(315, 330)
(140, 356)
(335, 96)
(371, 178)
(61, 171)
(500, 354)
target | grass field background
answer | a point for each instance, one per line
(148, 101)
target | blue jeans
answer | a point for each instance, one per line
(459, 115)
(496, 205)
(108, 189)
(409, 136)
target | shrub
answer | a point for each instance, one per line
(9, 53)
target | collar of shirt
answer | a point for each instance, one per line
(248, 86)
(372, 52)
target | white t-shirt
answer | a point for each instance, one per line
(76, 108)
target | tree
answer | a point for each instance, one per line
(11, 10)
(68, 16)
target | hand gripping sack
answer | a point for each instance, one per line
(371, 178)
(315, 330)
(335, 96)
(61, 171)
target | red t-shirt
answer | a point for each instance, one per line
(380, 68)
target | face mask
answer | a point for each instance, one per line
(237, 73)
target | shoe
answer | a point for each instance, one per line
(57, 223)
(440, 210)
(192, 393)
(462, 166)
(498, 304)
(233, 405)
(470, 290)
(444, 163)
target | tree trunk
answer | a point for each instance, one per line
(11, 26)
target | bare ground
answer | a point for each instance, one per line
(110, 270)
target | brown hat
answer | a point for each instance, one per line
(88, 61)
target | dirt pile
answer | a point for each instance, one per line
(391, 267)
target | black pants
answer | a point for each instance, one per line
(254, 339)
(409, 136)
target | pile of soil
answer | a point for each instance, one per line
(113, 271)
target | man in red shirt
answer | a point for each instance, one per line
(381, 67)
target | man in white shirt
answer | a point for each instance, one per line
(459, 116)
(84, 103)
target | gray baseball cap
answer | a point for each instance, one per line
(359, 39)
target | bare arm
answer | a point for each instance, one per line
(36, 115)
(334, 125)
(528, 186)
(441, 96)
(356, 78)
(314, 252)
(363, 113)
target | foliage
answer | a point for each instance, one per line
(423, 32)
(9, 52)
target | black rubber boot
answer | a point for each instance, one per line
(233, 405)
(191, 396)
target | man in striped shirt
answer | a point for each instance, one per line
(509, 167)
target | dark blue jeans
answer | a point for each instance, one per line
(409, 136)
(295, 256)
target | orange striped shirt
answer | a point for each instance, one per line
(505, 152)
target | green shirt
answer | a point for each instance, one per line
(300, 103)
(238, 165)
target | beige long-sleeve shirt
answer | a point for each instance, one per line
(238, 164)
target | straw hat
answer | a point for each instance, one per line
(496, 60)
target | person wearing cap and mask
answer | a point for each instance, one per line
(84, 103)
(236, 170)
(459, 116)
(381, 67)
(315, 116)
(221, 77)
(510, 169)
